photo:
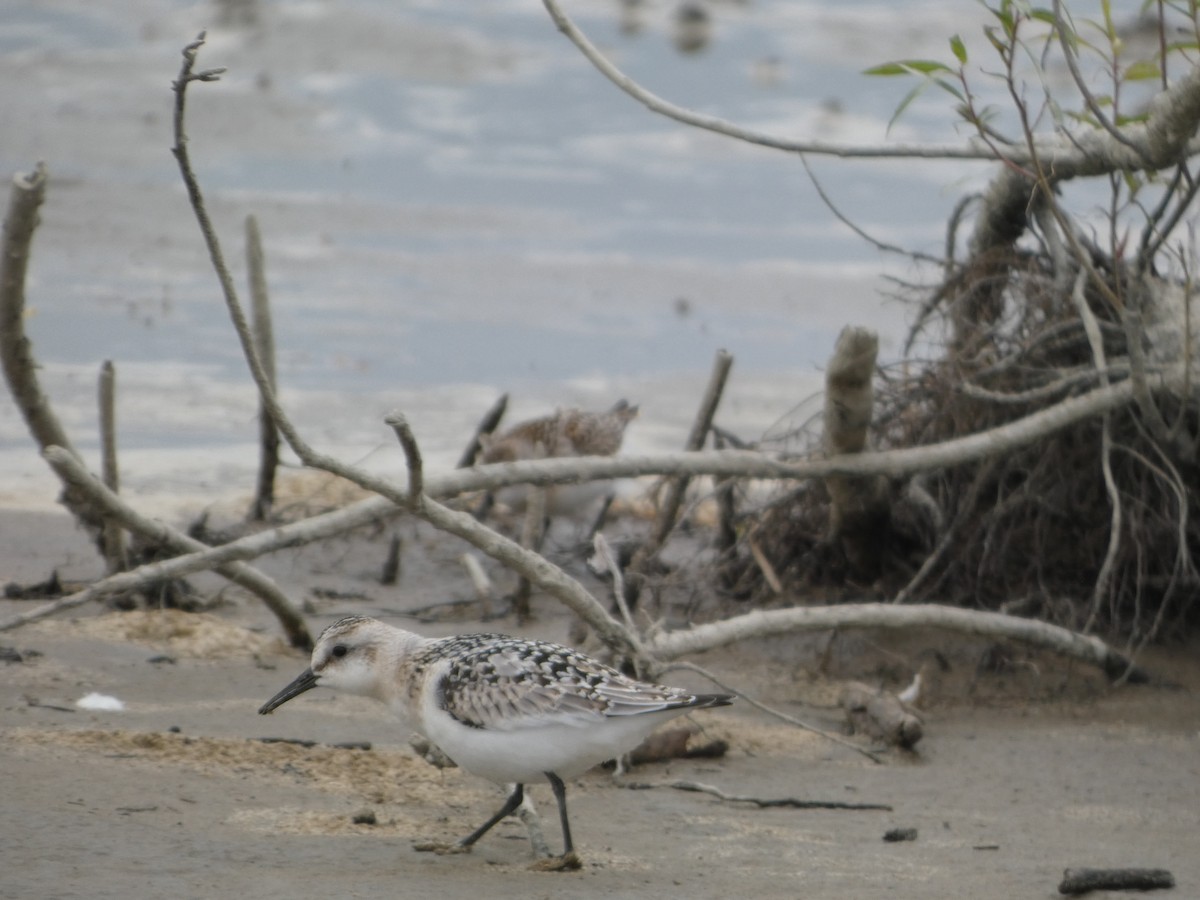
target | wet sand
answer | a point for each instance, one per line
(1020, 775)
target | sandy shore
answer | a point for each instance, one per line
(1020, 775)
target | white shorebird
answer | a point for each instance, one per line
(507, 709)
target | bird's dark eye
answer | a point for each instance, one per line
(339, 650)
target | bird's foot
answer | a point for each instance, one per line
(568, 862)
(441, 848)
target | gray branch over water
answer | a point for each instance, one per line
(1158, 143)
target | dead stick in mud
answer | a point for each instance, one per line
(676, 485)
(114, 535)
(72, 472)
(391, 564)
(725, 538)
(533, 533)
(486, 426)
(858, 505)
(605, 561)
(1081, 881)
(264, 341)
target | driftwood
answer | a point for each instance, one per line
(880, 714)
(697, 787)
(1081, 881)
(1087, 648)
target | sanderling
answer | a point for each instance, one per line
(507, 709)
(566, 432)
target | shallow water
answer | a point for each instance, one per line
(454, 204)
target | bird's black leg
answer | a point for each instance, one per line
(560, 795)
(569, 861)
(510, 805)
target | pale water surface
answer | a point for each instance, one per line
(455, 204)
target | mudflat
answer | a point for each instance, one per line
(1024, 770)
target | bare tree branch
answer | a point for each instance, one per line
(113, 536)
(264, 340)
(16, 351)
(674, 644)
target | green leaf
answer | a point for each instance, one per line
(1143, 70)
(951, 89)
(958, 49)
(909, 67)
(1182, 45)
(888, 69)
(905, 103)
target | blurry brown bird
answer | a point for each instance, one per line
(566, 432)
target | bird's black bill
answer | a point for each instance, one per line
(305, 681)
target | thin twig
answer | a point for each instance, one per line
(1090, 327)
(1165, 140)
(412, 454)
(1065, 36)
(607, 562)
(697, 787)
(781, 716)
(114, 536)
(486, 426)
(676, 486)
(264, 341)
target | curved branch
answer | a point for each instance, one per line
(711, 123)
(16, 352)
(760, 623)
